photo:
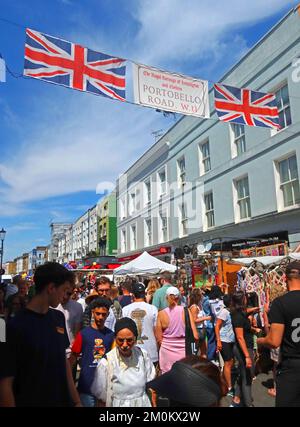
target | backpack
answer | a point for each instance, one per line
(117, 309)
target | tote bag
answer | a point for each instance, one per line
(190, 344)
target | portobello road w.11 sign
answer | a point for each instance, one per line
(170, 92)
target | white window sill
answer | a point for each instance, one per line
(210, 228)
(288, 208)
(274, 132)
(237, 221)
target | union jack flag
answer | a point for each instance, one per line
(246, 107)
(68, 64)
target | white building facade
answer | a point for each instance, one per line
(58, 230)
(19, 265)
(206, 180)
(36, 257)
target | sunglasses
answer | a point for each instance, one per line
(122, 340)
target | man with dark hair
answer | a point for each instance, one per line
(93, 342)
(73, 313)
(126, 298)
(284, 317)
(13, 287)
(159, 297)
(103, 289)
(34, 370)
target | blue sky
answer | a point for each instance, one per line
(58, 144)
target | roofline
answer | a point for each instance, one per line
(155, 144)
(265, 36)
(221, 79)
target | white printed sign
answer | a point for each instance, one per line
(170, 92)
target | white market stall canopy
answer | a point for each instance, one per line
(144, 264)
(265, 260)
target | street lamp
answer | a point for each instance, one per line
(2, 237)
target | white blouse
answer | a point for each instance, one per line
(121, 382)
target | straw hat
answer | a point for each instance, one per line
(93, 295)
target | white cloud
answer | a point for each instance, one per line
(74, 141)
(92, 142)
(172, 31)
(22, 227)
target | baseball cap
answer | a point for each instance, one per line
(138, 288)
(172, 291)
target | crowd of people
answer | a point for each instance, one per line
(73, 343)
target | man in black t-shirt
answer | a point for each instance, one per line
(34, 370)
(284, 317)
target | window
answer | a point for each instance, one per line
(163, 235)
(289, 182)
(122, 209)
(239, 140)
(123, 241)
(133, 238)
(147, 192)
(181, 171)
(182, 220)
(209, 210)
(161, 182)
(243, 198)
(283, 105)
(148, 232)
(132, 207)
(205, 158)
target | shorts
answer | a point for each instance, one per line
(227, 351)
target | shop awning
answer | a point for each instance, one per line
(264, 260)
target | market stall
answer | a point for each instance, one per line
(144, 264)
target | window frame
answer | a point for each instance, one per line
(181, 174)
(275, 90)
(236, 139)
(209, 211)
(183, 220)
(123, 240)
(147, 200)
(279, 191)
(203, 159)
(160, 191)
(131, 237)
(163, 235)
(237, 200)
(122, 202)
(148, 240)
(132, 209)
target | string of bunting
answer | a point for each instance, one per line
(61, 62)
(65, 63)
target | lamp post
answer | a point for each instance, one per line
(2, 237)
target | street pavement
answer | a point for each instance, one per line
(260, 387)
